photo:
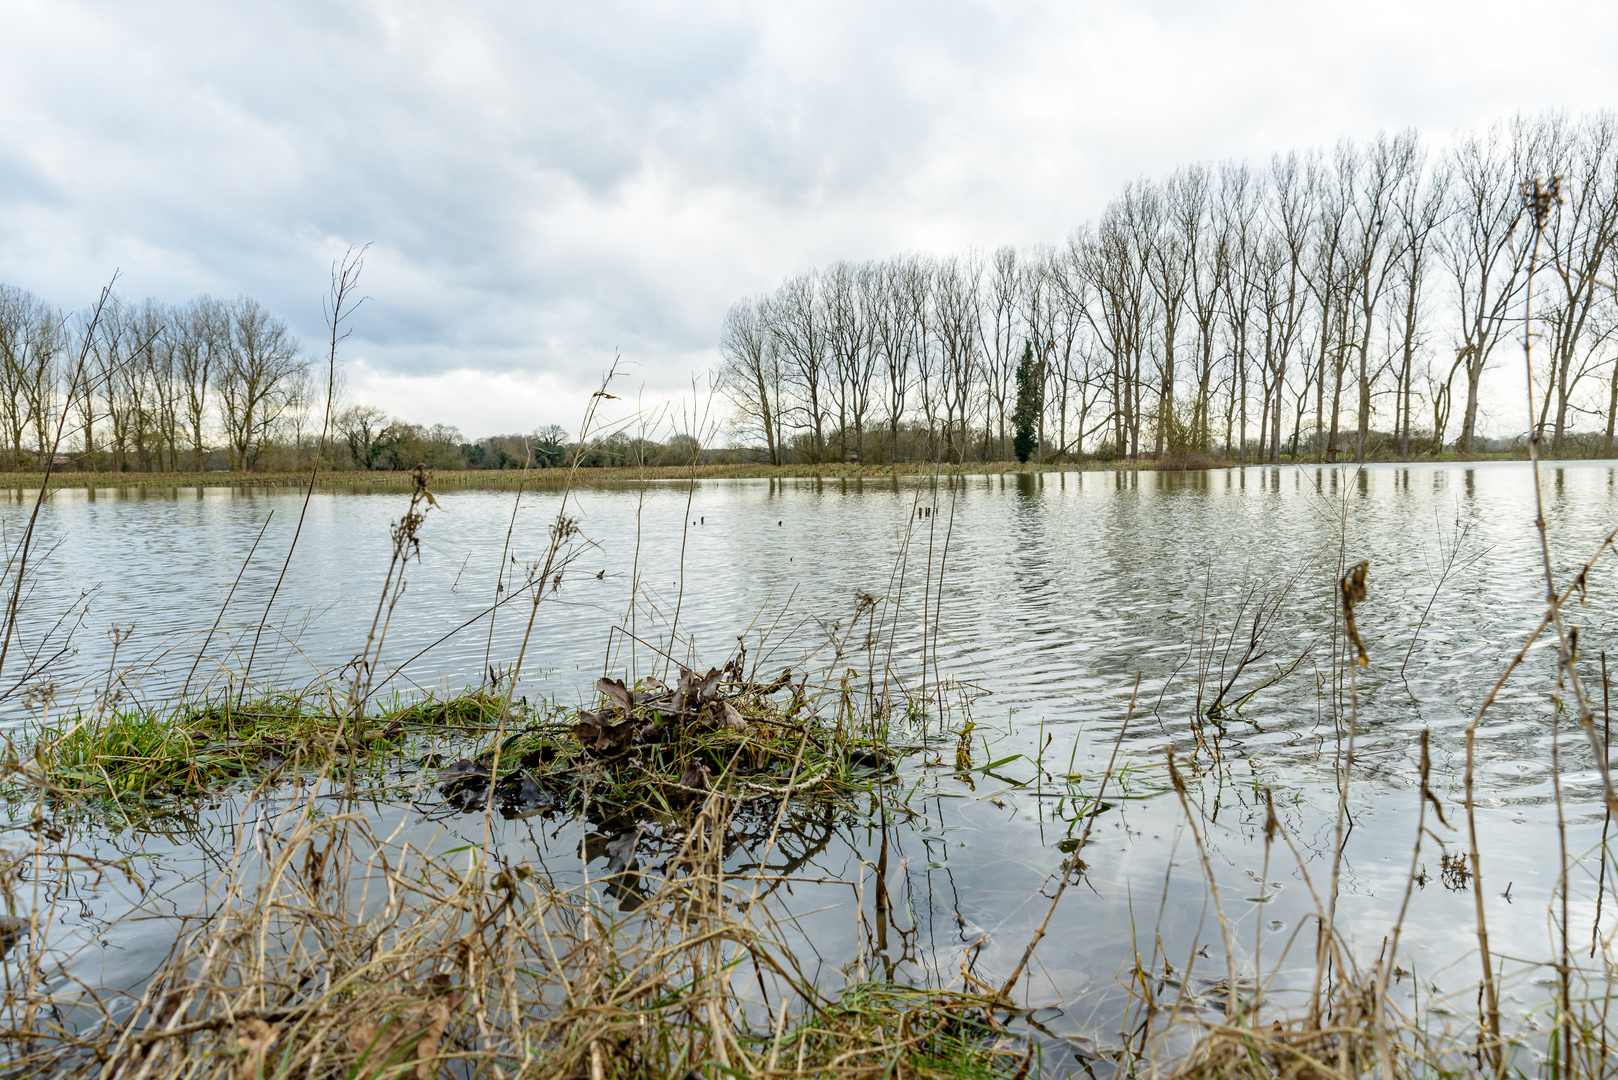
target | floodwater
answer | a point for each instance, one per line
(1042, 604)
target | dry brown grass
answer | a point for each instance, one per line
(326, 950)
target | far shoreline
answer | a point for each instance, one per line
(503, 479)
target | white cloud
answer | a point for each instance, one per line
(547, 185)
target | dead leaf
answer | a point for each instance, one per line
(594, 729)
(708, 686)
(1353, 591)
(695, 691)
(256, 1038)
(731, 717)
(615, 691)
(438, 1015)
(621, 856)
(695, 777)
(416, 1031)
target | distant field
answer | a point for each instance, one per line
(507, 478)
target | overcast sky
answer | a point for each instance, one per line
(546, 185)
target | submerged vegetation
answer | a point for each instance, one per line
(196, 749)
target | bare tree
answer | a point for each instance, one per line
(1112, 259)
(81, 388)
(1237, 285)
(1333, 189)
(1420, 215)
(39, 373)
(200, 331)
(894, 326)
(1483, 262)
(846, 291)
(1080, 381)
(920, 299)
(1582, 234)
(956, 327)
(139, 378)
(1312, 277)
(1388, 166)
(1285, 288)
(256, 379)
(1168, 270)
(751, 376)
(21, 319)
(1188, 205)
(797, 318)
(109, 357)
(997, 327)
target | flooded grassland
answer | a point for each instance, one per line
(1043, 772)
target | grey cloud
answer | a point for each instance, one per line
(546, 184)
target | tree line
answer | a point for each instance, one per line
(1323, 304)
(221, 385)
(147, 387)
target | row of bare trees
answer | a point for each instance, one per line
(207, 384)
(1324, 304)
(162, 388)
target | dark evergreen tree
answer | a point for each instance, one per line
(1030, 400)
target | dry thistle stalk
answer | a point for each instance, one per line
(1352, 586)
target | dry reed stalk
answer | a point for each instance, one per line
(406, 536)
(1390, 957)
(556, 559)
(345, 277)
(17, 559)
(697, 429)
(186, 686)
(1351, 591)
(1073, 864)
(1606, 817)
(429, 955)
(1233, 1006)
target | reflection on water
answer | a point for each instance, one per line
(1041, 598)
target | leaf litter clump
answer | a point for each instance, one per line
(653, 748)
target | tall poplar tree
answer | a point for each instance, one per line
(1030, 403)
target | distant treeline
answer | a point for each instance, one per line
(1326, 303)
(220, 385)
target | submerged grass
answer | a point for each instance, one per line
(879, 1029)
(196, 748)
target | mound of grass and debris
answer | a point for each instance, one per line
(653, 748)
(648, 748)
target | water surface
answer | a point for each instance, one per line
(1042, 603)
